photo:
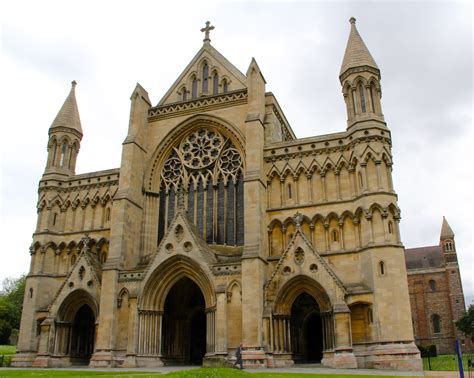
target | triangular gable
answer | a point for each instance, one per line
(215, 60)
(300, 258)
(182, 238)
(88, 280)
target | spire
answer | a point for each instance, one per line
(357, 54)
(68, 116)
(446, 231)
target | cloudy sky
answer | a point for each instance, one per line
(424, 51)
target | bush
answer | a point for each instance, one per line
(5, 331)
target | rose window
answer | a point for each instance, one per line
(201, 148)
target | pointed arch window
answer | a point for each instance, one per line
(289, 191)
(184, 94)
(449, 246)
(361, 180)
(55, 153)
(225, 86)
(215, 84)
(209, 168)
(194, 88)
(205, 78)
(362, 98)
(432, 284)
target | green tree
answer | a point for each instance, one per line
(11, 304)
(466, 323)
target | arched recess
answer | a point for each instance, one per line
(234, 314)
(123, 310)
(75, 326)
(153, 305)
(302, 318)
(361, 322)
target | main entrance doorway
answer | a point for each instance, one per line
(306, 330)
(82, 335)
(184, 324)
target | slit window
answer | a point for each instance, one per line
(194, 88)
(436, 320)
(361, 181)
(205, 78)
(335, 236)
(372, 95)
(55, 218)
(289, 191)
(225, 86)
(63, 154)
(432, 284)
(382, 268)
(184, 94)
(362, 98)
(390, 227)
(215, 84)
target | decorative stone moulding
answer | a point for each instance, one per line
(299, 256)
(179, 233)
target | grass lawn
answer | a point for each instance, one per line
(195, 373)
(7, 349)
(445, 362)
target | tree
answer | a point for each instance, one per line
(11, 304)
(466, 323)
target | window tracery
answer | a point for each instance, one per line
(210, 169)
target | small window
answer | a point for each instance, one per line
(107, 214)
(370, 316)
(335, 236)
(205, 78)
(372, 97)
(289, 191)
(215, 84)
(63, 154)
(390, 227)
(225, 86)
(361, 181)
(362, 98)
(194, 88)
(432, 284)
(73, 259)
(449, 245)
(103, 257)
(185, 94)
(31, 292)
(382, 268)
(436, 320)
(55, 218)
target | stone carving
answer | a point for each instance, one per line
(201, 148)
(188, 246)
(178, 233)
(169, 248)
(299, 256)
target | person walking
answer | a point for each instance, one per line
(238, 355)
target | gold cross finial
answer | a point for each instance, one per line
(206, 30)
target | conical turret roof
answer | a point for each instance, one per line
(357, 54)
(68, 115)
(446, 231)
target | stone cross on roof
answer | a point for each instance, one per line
(207, 30)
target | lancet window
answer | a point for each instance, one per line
(210, 170)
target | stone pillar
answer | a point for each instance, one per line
(343, 356)
(221, 323)
(132, 340)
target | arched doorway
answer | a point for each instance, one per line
(306, 330)
(82, 335)
(184, 324)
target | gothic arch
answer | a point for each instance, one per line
(164, 149)
(296, 286)
(75, 300)
(160, 282)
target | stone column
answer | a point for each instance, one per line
(344, 356)
(221, 323)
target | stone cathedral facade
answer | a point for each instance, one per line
(221, 227)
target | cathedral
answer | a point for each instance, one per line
(220, 227)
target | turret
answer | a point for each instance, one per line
(65, 136)
(446, 241)
(360, 80)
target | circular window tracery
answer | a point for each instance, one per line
(201, 148)
(230, 161)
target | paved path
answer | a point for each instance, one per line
(306, 369)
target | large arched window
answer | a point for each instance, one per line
(436, 320)
(209, 168)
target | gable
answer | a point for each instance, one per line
(300, 259)
(217, 64)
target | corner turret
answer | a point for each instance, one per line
(65, 135)
(360, 80)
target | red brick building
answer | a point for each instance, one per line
(436, 295)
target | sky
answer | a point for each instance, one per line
(423, 49)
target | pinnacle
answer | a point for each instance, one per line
(357, 54)
(68, 115)
(446, 231)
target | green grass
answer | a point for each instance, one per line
(7, 349)
(445, 362)
(194, 373)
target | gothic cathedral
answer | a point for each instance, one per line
(221, 227)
